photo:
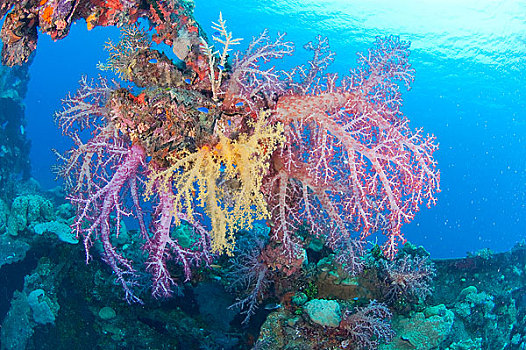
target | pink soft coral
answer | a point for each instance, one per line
(350, 160)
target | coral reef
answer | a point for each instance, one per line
(475, 303)
(486, 293)
(245, 186)
(16, 326)
(220, 146)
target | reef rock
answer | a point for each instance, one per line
(326, 313)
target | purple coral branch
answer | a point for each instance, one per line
(409, 277)
(95, 210)
(163, 248)
(248, 274)
(368, 326)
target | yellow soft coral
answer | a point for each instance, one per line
(226, 178)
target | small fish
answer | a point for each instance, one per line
(22, 130)
(355, 298)
(216, 267)
(239, 104)
(153, 61)
(407, 341)
(217, 34)
(188, 80)
(221, 67)
(229, 122)
(272, 306)
(203, 110)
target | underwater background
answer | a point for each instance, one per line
(459, 283)
(469, 91)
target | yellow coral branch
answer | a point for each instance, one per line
(226, 178)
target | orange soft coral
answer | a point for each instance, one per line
(46, 14)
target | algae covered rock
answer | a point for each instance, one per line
(61, 230)
(41, 306)
(420, 332)
(12, 250)
(107, 313)
(28, 210)
(17, 326)
(4, 215)
(299, 298)
(323, 312)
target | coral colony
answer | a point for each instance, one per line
(217, 141)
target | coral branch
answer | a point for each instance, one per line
(93, 217)
(249, 79)
(163, 247)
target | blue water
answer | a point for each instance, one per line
(469, 91)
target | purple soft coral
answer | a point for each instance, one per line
(408, 277)
(367, 327)
(102, 176)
